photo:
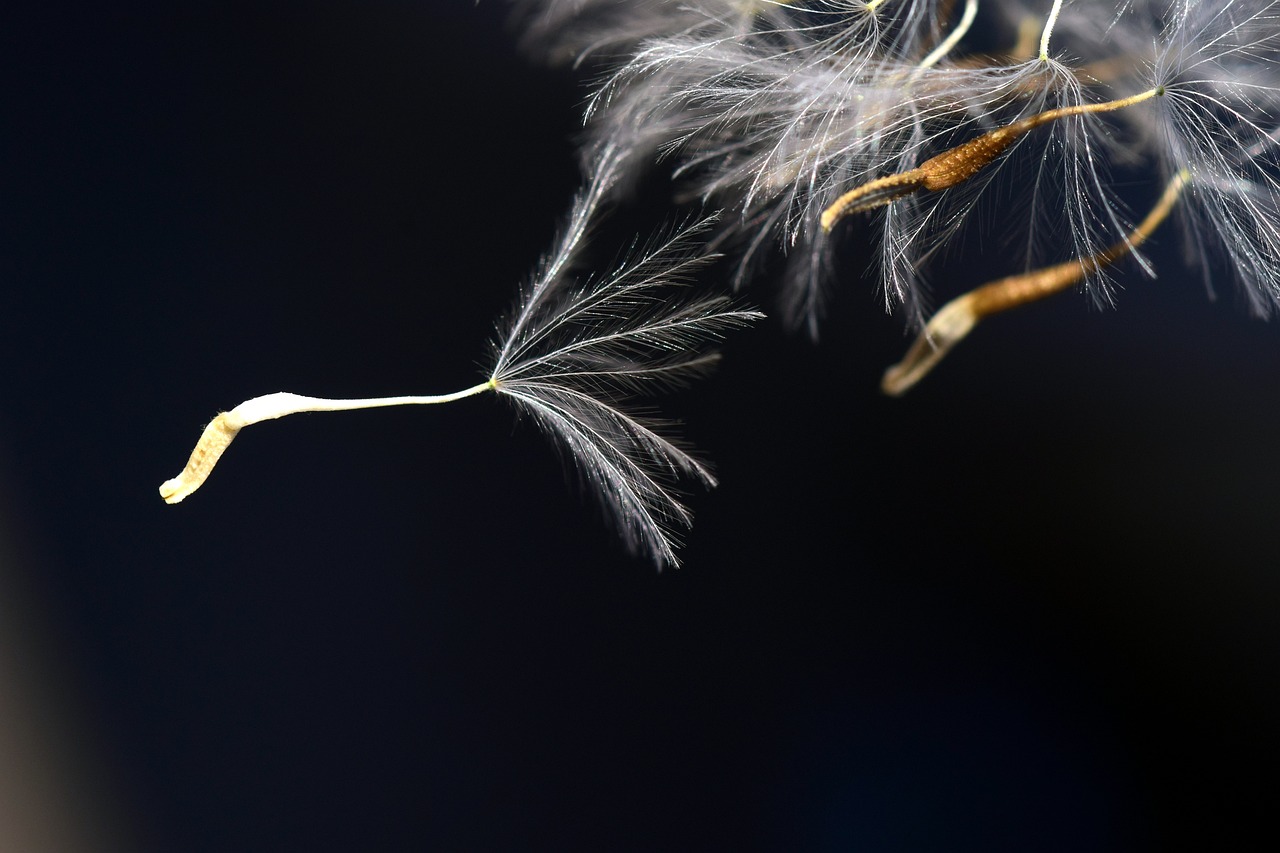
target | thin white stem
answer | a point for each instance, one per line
(283, 403)
(966, 21)
(872, 4)
(221, 430)
(1048, 30)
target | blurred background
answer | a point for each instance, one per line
(1030, 606)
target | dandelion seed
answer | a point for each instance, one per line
(572, 354)
(956, 319)
(959, 164)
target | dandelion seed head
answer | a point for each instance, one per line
(773, 114)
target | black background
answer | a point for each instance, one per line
(1030, 606)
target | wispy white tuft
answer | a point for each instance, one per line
(575, 351)
(776, 120)
(1220, 120)
(579, 30)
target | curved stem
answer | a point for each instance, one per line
(220, 432)
(956, 319)
(283, 403)
(966, 21)
(1048, 30)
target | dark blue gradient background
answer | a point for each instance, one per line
(1031, 606)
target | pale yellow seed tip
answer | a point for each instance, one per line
(216, 438)
(948, 327)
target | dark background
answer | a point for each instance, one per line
(1031, 606)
